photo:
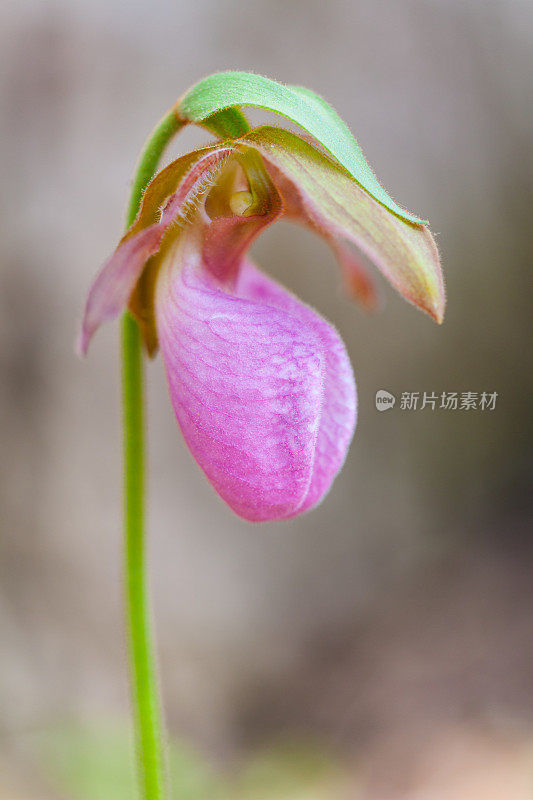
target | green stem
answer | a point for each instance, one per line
(152, 151)
(144, 689)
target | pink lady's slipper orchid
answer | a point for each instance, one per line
(261, 384)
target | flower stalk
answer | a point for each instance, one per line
(143, 673)
(261, 385)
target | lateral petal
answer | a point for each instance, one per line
(167, 200)
(318, 192)
(358, 281)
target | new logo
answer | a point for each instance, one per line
(384, 400)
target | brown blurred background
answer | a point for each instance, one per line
(391, 626)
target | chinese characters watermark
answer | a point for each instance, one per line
(446, 401)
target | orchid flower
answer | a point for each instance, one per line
(261, 384)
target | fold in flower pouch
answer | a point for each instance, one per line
(261, 385)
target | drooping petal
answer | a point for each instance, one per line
(113, 285)
(318, 192)
(359, 283)
(167, 199)
(261, 386)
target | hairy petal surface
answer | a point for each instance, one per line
(319, 193)
(261, 386)
(167, 200)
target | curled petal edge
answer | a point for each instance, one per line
(166, 204)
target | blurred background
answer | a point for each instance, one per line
(380, 647)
